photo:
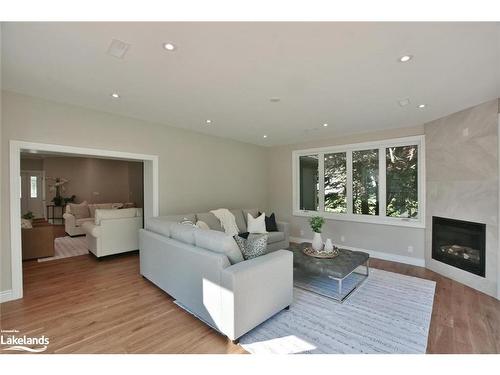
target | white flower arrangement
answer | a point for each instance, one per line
(58, 184)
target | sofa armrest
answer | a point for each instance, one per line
(254, 290)
(285, 228)
(69, 220)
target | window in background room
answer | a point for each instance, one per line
(336, 182)
(402, 181)
(365, 182)
(33, 187)
(308, 167)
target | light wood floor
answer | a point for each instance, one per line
(88, 306)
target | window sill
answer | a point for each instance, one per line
(411, 223)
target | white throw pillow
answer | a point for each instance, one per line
(202, 225)
(256, 225)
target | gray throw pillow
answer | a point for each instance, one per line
(252, 247)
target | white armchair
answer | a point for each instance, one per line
(114, 231)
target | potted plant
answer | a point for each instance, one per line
(316, 222)
(29, 216)
(57, 187)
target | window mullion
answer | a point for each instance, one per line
(321, 181)
(382, 196)
(349, 181)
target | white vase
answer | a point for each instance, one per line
(317, 242)
(329, 245)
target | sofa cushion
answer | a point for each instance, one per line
(177, 218)
(183, 233)
(219, 242)
(102, 206)
(240, 220)
(211, 220)
(124, 213)
(202, 225)
(252, 211)
(160, 225)
(79, 211)
(79, 222)
(275, 237)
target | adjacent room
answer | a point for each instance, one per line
(59, 198)
(251, 187)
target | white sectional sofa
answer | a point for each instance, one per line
(113, 231)
(204, 271)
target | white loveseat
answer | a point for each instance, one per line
(202, 271)
(113, 231)
(85, 212)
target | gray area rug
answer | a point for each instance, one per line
(389, 313)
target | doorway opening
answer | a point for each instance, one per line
(45, 200)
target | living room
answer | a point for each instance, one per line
(259, 199)
(60, 193)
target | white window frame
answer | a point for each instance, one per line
(419, 222)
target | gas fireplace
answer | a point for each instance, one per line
(459, 243)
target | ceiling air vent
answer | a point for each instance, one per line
(118, 49)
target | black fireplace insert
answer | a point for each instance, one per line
(460, 244)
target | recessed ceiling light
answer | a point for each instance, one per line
(325, 124)
(264, 136)
(169, 46)
(115, 95)
(208, 122)
(421, 106)
(405, 58)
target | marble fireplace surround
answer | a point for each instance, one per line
(462, 169)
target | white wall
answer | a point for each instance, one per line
(392, 240)
(197, 172)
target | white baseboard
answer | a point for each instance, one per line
(6, 295)
(374, 254)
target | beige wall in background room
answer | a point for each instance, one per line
(197, 172)
(91, 179)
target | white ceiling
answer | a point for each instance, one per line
(345, 74)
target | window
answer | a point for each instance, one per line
(365, 182)
(336, 182)
(309, 182)
(33, 187)
(376, 182)
(402, 181)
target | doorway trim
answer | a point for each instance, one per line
(151, 193)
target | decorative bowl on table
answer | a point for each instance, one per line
(323, 254)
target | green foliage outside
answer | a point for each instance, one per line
(365, 182)
(401, 182)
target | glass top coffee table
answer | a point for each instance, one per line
(336, 278)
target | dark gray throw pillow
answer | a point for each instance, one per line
(253, 246)
(271, 225)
